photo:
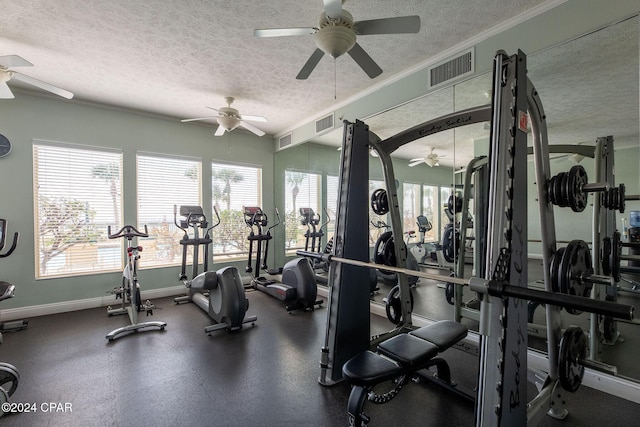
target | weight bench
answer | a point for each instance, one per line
(398, 359)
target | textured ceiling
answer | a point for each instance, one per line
(176, 57)
(588, 87)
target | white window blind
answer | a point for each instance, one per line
(333, 183)
(410, 208)
(302, 190)
(162, 183)
(431, 211)
(78, 193)
(233, 187)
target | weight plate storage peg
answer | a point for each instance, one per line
(573, 351)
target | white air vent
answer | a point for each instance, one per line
(284, 141)
(451, 69)
(324, 123)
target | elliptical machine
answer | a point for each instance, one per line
(219, 293)
(297, 288)
(9, 375)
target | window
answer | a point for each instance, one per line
(333, 182)
(78, 193)
(162, 183)
(232, 188)
(431, 211)
(445, 192)
(302, 189)
(410, 208)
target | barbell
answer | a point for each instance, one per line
(497, 288)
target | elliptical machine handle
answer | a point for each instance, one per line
(217, 223)
(278, 217)
(16, 236)
(175, 220)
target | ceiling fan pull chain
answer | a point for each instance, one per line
(335, 80)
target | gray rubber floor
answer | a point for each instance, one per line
(264, 375)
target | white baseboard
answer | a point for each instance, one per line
(83, 304)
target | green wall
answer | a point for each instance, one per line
(29, 117)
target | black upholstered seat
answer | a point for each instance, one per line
(369, 368)
(444, 333)
(408, 350)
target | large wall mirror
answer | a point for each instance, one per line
(589, 89)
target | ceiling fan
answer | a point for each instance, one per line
(229, 118)
(336, 35)
(10, 61)
(431, 160)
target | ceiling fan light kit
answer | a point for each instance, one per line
(336, 36)
(229, 118)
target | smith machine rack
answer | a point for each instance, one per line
(503, 292)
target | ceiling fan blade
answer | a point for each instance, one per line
(42, 85)
(14, 61)
(399, 25)
(5, 92)
(211, 108)
(253, 118)
(311, 63)
(365, 62)
(198, 118)
(415, 163)
(281, 32)
(419, 159)
(252, 128)
(219, 131)
(333, 8)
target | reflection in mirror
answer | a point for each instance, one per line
(589, 89)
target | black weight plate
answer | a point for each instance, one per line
(558, 189)
(576, 264)
(577, 198)
(393, 305)
(605, 256)
(554, 267)
(8, 379)
(616, 253)
(609, 325)
(551, 192)
(449, 290)
(573, 351)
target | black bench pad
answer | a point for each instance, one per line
(408, 350)
(444, 333)
(369, 368)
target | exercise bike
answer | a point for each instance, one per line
(130, 291)
(219, 293)
(297, 288)
(9, 375)
(419, 251)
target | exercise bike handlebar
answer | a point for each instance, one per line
(128, 232)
